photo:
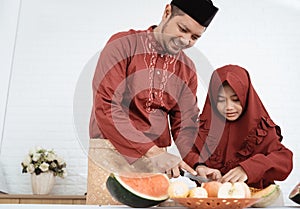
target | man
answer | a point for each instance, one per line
(144, 88)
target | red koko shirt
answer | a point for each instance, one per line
(142, 96)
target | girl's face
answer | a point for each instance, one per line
(228, 103)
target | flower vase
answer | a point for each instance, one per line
(42, 183)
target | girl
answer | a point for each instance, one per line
(237, 140)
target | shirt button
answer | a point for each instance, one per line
(158, 72)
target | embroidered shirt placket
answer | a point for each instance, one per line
(169, 59)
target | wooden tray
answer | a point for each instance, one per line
(216, 203)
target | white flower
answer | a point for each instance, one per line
(51, 156)
(40, 160)
(65, 173)
(44, 167)
(31, 151)
(30, 168)
(27, 160)
(36, 156)
(53, 165)
(60, 161)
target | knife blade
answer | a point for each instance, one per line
(199, 179)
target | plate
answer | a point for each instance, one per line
(216, 203)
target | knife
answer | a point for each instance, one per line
(199, 179)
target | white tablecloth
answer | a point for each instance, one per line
(55, 206)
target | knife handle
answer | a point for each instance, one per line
(181, 172)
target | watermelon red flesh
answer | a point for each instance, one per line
(149, 186)
(142, 191)
(295, 194)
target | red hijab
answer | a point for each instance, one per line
(223, 144)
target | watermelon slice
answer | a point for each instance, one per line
(139, 189)
(295, 194)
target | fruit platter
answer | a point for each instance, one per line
(212, 195)
(147, 190)
(216, 203)
(218, 195)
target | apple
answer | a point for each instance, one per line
(212, 188)
(232, 190)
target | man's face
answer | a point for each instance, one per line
(179, 32)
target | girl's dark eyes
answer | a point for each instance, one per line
(235, 99)
(221, 100)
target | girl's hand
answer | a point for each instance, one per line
(234, 175)
(207, 172)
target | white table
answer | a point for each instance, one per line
(55, 206)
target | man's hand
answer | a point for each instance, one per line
(175, 171)
(234, 175)
(165, 162)
(207, 172)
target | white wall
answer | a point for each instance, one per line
(47, 52)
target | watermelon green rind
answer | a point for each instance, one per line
(128, 197)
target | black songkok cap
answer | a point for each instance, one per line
(203, 11)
